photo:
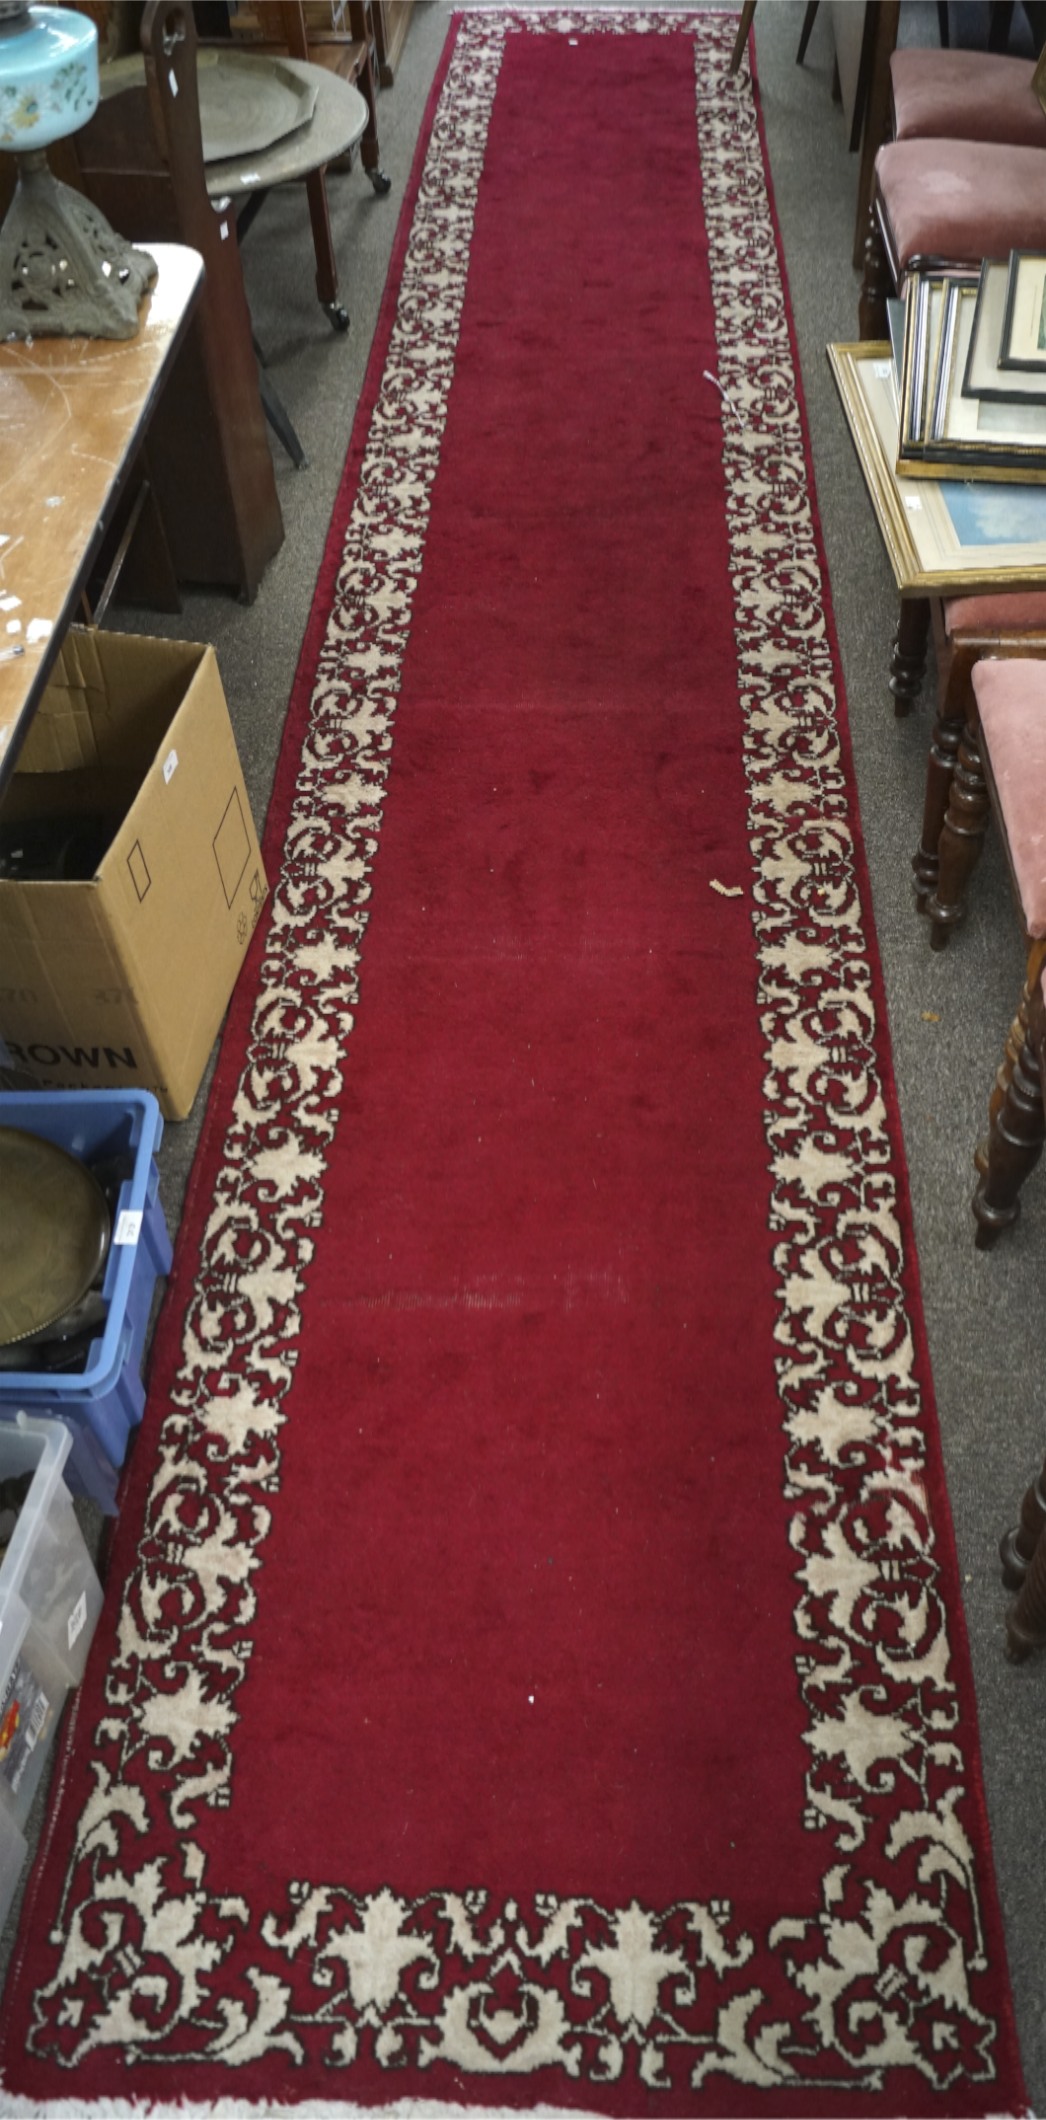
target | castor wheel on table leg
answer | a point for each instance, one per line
(382, 184)
(338, 315)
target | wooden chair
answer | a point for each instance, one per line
(140, 159)
(1006, 743)
(308, 32)
(955, 811)
(283, 26)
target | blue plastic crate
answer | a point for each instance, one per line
(103, 1402)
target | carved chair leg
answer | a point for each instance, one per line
(876, 285)
(961, 840)
(940, 767)
(1026, 1618)
(1017, 1547)
(908, 658)
(1014, 1147)
(1031, 1016)
(1000, 1089)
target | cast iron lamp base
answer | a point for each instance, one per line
(63, 271)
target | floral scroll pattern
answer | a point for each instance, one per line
(883, 1974)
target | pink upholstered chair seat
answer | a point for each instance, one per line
(961, 95)
(1011, 703)
(1018, 611)
(962, 199)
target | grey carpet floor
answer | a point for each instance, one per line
(948, 1013)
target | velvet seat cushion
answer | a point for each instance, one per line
(963, 200)
(960, 95)
(1014, 611)
(1011, 702)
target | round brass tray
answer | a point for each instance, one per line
(54, 1232)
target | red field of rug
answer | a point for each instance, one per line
(540, 1677)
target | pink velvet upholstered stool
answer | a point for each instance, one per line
(954, 202)
(964, 95)
(1011, 712)
(967, 629)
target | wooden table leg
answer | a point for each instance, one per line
(323, 243)
(908, 658)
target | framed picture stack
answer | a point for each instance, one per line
(949, 535)
(970, 356)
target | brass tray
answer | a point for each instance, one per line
(249, 101)
(54, 1232)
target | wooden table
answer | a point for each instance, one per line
(72, 415)
(944, 537)
(338, 122)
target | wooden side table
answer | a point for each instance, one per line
(73, 413)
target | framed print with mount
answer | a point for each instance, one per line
(978, 437)
(944, 537)
(1023, 343)
(984, 377)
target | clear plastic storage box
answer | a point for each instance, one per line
(50, 1598)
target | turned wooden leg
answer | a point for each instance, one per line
(1014, 1147)
(940, 768)
(1017, 1547)
(876, 284)
(1026, 1618)
(908, 657)
(1030, 1021)
(961, 840)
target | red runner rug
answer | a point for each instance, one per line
(533, 1669)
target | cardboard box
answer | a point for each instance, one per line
(124, 977)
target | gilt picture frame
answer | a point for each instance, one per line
(943, 537)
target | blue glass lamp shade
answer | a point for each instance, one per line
(48, 77)
(63, 271)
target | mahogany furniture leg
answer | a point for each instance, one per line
(940, 768)
(1017, 1547)
(1013, 1047)
(1014, 1147)
(370, 153)
(326, 269)
(1026, 1618)
(877, 116)
(961, 840)
(908, 659)
(876, 283)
